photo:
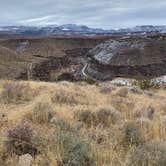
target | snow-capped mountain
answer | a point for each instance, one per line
(144, 28)
(73, 29)
(49, 30)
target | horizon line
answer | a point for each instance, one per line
(58, 25)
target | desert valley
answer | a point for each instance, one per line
(83, 99)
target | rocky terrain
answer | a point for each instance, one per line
(44, 58)
(131, 57)
(56, 110)
(77, 58)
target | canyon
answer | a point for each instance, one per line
(74, 58)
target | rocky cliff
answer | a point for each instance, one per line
(131, 57)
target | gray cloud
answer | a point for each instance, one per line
(94, 13)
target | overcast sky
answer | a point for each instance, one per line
(105, 14)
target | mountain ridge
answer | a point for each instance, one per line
(68, 29)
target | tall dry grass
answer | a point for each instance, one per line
(95, 126)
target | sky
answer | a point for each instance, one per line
(106, 14)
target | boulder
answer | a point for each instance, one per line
(25, 160)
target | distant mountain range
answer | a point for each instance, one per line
(70, 29)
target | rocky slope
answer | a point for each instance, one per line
(71, 58)
(133, 57)
(44, 58)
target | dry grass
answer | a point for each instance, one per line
(42, 112)
(101, 128)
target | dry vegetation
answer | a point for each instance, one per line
(17, 60)
(76, 124)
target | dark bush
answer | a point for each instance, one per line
(89, 81)
(19, 140)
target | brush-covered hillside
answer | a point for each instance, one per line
(77, 124)
(43, 58)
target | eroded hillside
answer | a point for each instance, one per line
(44, 58)
(132, 57)
(73, 58)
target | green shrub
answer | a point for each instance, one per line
(149, 154)
(146, 84)
(86, 117)
(42, 142)
(89, 81)
(103, 116)
(131, 134)
(60, 124)
(74, 151)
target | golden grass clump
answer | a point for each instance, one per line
(79, 124)
(122, 92)
(64, 97)
(103, 116)
(42, 112)
(151, 153)
(131, 134)
(16, 92)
